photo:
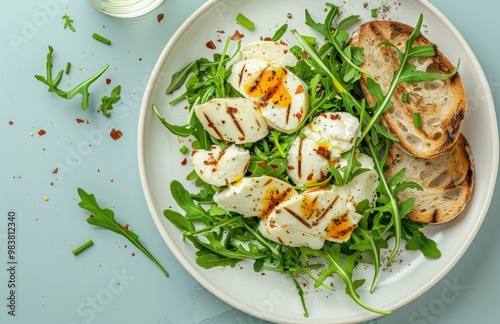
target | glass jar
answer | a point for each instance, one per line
(125, 8)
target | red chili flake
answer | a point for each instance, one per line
(108, 81)
(55, 170)
(91, 216)
(184, 162)
(210, 45)
(160, 17)
(267, 39)
(41, 132)
(282, 42)
(125, 227)
(290, 167)
(300, 89)
(322, 151)
(221, 32)
(273, 166)
(210, 162)
(132, 254)
(299, 116)
(11, 122)
(262, 164)
(237, 35)
(263, 274)
(79, 120)
(115, 134)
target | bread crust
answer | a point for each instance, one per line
(448, 181)
(441, 104)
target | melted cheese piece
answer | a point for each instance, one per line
(282, 97)
(236, 120)
(257, 196)
(310, 218)
(220, 167)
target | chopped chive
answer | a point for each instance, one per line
(184, 149)
(417, 120)
(373, 12)
(101, 38)
(82, 247)
(244, 21)
(311, 40)
(68, 67)
(405, 97)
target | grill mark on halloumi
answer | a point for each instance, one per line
(240, 74)
(318, 219)
(299, 159)
(212, 125)
(231, 111)
(270, 201)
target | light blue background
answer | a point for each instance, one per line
(56, 287)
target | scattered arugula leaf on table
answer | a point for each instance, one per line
(105, 218)
(68, 23)
(107, 102)
(82, 88)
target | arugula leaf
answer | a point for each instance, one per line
(82, 88)
(421, 242)
(107, 102)
(105, 218)
(183, 130)
(344, 271)
(68, 23)
(211, 260)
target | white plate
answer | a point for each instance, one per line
(270, 296)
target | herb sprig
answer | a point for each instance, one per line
(82, 88)
(68, 23)
(105, 218)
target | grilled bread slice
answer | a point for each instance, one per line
(441, 104)
(448, 181)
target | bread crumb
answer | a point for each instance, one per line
(45, 198)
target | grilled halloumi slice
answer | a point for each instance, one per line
(310, 218)
(274, 52)
(220, 167)
(308, 161)
(337, 131)
(364, 185)
(236, 120)
(256, 196)
(281, 95)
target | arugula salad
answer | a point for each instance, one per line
(289, 166)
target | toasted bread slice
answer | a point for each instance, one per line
(441, 104)
(447, 180)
